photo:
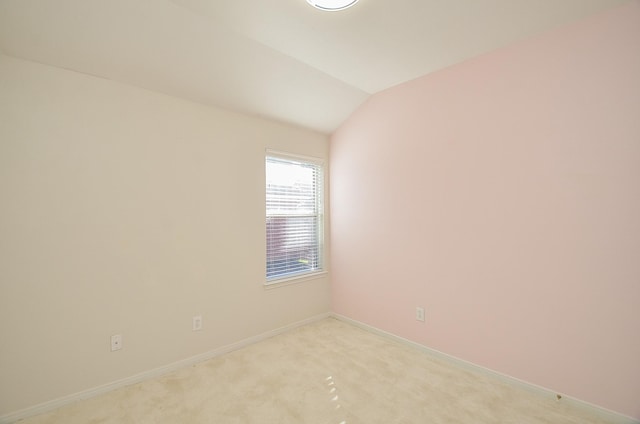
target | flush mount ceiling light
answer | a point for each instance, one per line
(332, 5)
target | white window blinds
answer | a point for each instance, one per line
(294, 217)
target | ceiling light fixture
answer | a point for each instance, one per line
(332, 5)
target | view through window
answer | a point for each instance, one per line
(294, 217)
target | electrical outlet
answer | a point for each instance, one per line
(116, 342)
(420, 313)
(197, 323)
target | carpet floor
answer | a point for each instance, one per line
(327, 372)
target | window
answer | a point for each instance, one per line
(294, 216)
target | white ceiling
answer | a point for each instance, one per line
(281, 59)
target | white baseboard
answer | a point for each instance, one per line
(154, 373)
(605, 414)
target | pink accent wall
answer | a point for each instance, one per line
(503, 195)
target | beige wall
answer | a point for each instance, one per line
(126, 211)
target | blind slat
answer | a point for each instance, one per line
(294, 217)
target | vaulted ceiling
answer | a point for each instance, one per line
(280, 59)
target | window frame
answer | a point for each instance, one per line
(320, 189)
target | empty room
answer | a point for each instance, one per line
(320, 211)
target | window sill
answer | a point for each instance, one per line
(294, 280)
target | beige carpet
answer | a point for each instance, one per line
(326, 372)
